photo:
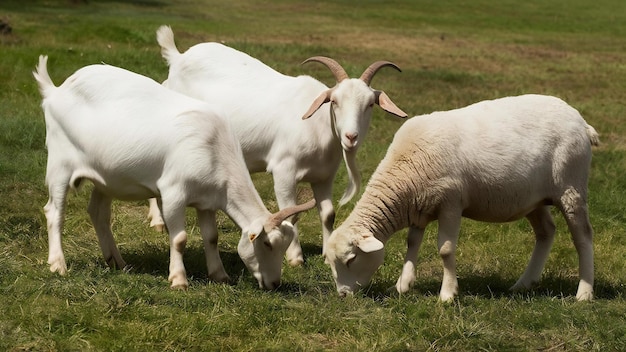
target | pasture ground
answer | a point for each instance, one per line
(452, 53)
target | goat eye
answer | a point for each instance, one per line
(268, 245)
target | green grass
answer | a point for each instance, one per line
(452, 53)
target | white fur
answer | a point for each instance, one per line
(494, 161)
(135, 139)
(265, 109)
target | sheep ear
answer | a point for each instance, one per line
(386, 104)
(317, 103)
(349, 259)
(369, 244)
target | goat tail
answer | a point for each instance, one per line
(594, 138)
(165, 38)
(43, 78)
(354, 177)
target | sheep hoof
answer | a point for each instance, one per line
(446, 298)
(404, 283)
(447, 294)
(116, 264)
(517, 287)
(585, 292)
(584, 296)
(521, 286)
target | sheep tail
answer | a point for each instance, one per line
(594, 138)
(354, 177)
(165, 38)
(46, 86)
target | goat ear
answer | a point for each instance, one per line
(369, 244)
(317, 103)
(255, 230)
(386, 104)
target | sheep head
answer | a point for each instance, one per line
(264, 243)
(353, 258)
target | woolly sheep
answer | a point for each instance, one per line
(493, 161)
(135, 139)
(265, 109)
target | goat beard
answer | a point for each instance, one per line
(354, 177)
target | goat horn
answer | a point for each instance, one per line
(277, 218)
(334, 66)
(369, 72)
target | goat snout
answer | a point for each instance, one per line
(352, 138)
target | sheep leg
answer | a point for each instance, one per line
(99, 210)
(574, 208)
(208, 230)
(323, 197)
(541, 221)
(407, 277)
(449, 226)
(55, 212)
(174, 215)
(285, 189)
(154, 215)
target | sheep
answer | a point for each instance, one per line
(135, 139)
(493, 161)
(264, 108)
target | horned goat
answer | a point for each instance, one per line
(265, 108)
(135, 139)
(493, 161)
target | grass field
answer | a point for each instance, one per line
(452, 53)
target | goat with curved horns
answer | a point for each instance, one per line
(264, 108)
(135, 139)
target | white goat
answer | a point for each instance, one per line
(135, 139)
(494, 161)
(265, 109)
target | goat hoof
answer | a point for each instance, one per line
(58, 267)
(181, 287)
(160, 228)
(178, 282)
(222, 278)
(296, 262)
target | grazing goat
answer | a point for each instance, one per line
(265, 108)
(135, 139)
(494, 161)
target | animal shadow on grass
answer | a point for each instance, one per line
(312, 253)
(495, 287)
(310, 250)
(155, 261)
